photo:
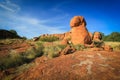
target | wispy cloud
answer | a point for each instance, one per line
(8, 5)
(28, 25)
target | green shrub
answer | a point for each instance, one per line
(53, 51)
(49, 38)
(39, 48)
(33, 52)
(62, 46)
(30, 53)
(79, 47)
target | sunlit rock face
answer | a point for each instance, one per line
(79, 32)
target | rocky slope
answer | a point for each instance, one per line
(81, 65)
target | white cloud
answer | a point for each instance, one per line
(8, 5)
(30, 27)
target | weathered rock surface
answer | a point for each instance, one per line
(81, 65)
(77, 21)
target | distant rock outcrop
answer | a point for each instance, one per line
(66, 38)
(79, 32)
(4, 34)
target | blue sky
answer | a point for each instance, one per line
(32, 18)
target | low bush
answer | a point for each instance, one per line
(53, 51)
(39, 48)
(62, 46)
(79, 47)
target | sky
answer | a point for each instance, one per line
(31, 18)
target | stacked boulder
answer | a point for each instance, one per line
(79, 32)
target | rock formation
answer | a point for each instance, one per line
(68, 50)
(80, 35)
(35, 38)
(79, 32)
(98, 43)
(97, 36)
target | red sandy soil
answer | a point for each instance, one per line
(81, 65)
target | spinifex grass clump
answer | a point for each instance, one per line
(53, 51)
(79, 47)
(15, 59)
(62, 46)
(34, 52)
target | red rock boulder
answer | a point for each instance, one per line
(79, 32)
